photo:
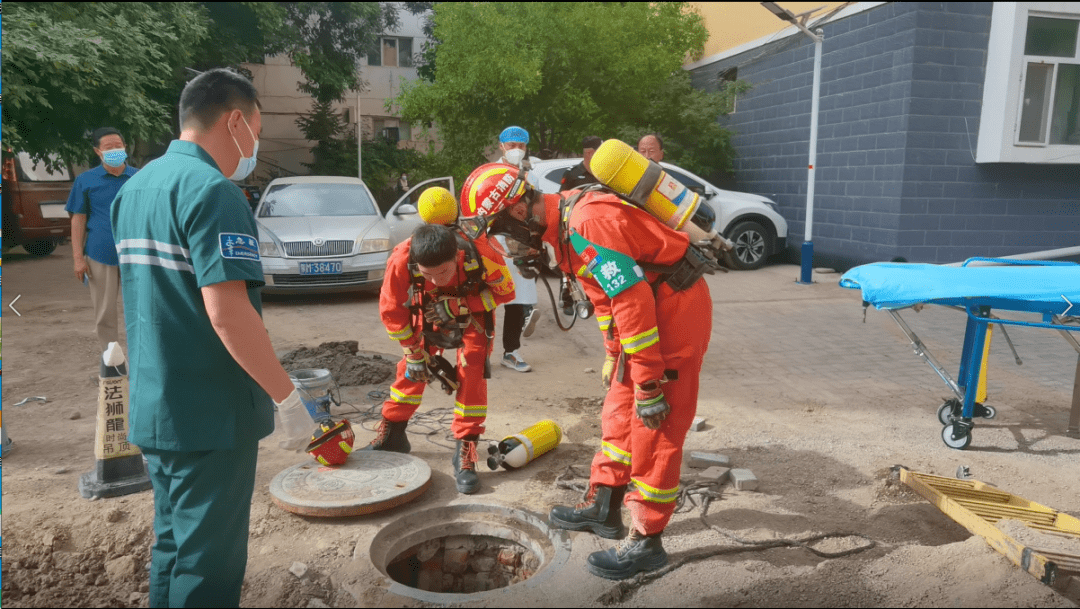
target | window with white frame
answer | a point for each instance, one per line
(1051, 98)
(1031, 96)
(392, 52)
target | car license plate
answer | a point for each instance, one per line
(320, 268)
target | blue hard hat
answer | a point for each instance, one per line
(514, 134)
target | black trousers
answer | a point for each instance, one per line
(513, 323)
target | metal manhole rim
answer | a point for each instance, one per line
(559, 539)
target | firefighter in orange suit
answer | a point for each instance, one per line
(655, 312)
(440, 292)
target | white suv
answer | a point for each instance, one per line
(751, 221)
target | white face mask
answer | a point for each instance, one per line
(514, 156)
(246, 164)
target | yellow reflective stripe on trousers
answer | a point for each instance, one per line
(604, 321)
(469, 411)
(655, 495)
(402, 398)
(401, 335)
(641, 341)
(615, 453)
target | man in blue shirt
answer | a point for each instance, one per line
(92, 244)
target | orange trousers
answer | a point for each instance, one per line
(647, 460)
(470, 405)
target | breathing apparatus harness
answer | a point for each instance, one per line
(526, 236)
(452, 334)
(695, 263)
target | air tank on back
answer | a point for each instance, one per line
(645, 184)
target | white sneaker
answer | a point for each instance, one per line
(530, 322)
(513, 361)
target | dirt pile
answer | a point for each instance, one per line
(346, 365)
(103, 563)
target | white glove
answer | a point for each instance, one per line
(293, 423)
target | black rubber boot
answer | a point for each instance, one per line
(465, 465)
(633, 555)
(600, 513)
(391, 437)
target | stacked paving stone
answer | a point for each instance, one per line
(464, 564)
(717, 469)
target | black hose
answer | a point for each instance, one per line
(555, 308)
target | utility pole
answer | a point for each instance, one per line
(360, 137)
(799, 21)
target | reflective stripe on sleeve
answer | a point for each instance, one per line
(488, 299)
(403, 334)
(644, 340)
(604, 321)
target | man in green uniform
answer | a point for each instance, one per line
(202, 368)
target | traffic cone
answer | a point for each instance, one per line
(119, 469)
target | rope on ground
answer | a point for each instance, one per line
(700, 494)
(434, 424)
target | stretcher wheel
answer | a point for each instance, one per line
(959, 443)
(988, 412)
(949, 409)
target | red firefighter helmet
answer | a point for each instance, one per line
(331, 443)
(488, 190)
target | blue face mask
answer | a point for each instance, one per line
(247, 163)
(114, 158)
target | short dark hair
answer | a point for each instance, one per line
(591, 141)
(102, 132)
(659, 140)
(213, 93)
(432, 245)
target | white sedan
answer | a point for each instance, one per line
(321, 234)
(750, 221)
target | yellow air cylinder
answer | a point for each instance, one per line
(647, 185)
(521, 448)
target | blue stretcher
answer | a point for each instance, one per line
(1050, 291)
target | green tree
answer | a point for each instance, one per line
(72, 67)
(335, 153)
(564, 71)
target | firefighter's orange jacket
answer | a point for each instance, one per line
(395, 297)
(628, 321)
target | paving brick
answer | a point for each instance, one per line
(715, 474)
(702, 459)
(744, 480)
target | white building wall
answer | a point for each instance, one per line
(282, 146)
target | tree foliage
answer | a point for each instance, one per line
(564, 71)
(72, 67)
(335, 153)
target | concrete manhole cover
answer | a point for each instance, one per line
(370, 481)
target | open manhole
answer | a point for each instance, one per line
(467, 552)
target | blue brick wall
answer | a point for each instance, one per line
(901, 95)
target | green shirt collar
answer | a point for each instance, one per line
(192, 149)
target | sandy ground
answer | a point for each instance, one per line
(796, 388)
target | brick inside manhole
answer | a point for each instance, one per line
(463, 564)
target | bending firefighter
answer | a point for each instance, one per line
(655, 313)
(440, 292)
